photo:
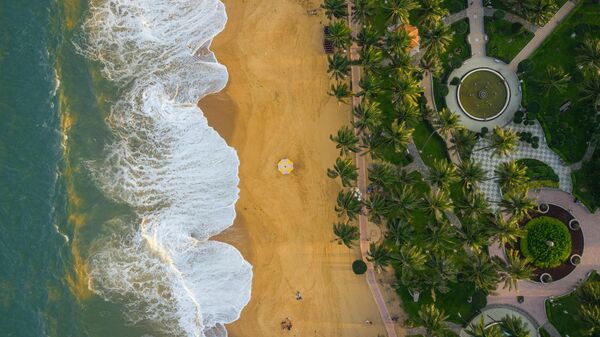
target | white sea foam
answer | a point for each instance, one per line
(169, 165)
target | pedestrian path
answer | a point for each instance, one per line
(362, 185)
(510, 17)
(541, 34)
(543, 153)
(477, 38)
(455, 17)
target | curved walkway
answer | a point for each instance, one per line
(535, 294)
(543, 153)
(496, 312)
(541, 34)
(362, 185)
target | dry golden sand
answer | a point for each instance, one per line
(276, 106)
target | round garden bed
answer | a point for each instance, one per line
(550, 244)
(483, 94)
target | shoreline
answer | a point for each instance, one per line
(275, 105)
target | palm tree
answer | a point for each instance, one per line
(480, 329)
(411, 260)
(367, 115)
(397, 41)
(362, 10)
(506, 231)
(464, 141)
(514, 326)
(541, 11)
(517, 204)
(406, 89)
(405, 200)
(436, 38)
(346, 141)
(399, 10)
(589, 293)
(588, 56)
(432, 319)
(368, 36)
(440, 236)
(442, 174)
(511, 176)
(399, 231)
(370, 57)
(591, 91)
(346, 234)
(513, 269)
(590, 314)
(348, 204)
(502, 141)
(482, 273)
(410, 114)
(339, 66)
(437, 202)
(335, 8)
(470, 174)
(340, 34)
(444, 123)
(345, 169)
(474, 235)
(397, 136)
(442, 271)
(431, 64)
(381, 176)
(431, 12)
(341, 91)
(473, 206)
(370, 85)
(379, 255)
(379, 208)
(554, 79)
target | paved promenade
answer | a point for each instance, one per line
(477, 38)
(362, 185)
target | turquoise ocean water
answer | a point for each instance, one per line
(111, 181)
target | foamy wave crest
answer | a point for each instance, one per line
(169, 165)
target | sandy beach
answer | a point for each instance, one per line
(275, 106)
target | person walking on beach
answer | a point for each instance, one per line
(298, 296)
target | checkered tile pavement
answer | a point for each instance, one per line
(543, 153)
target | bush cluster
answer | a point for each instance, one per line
(538, 171)
(535, 244)
(359, 267)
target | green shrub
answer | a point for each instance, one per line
(444, 90)
(455, 63)
(536, 246)
(359, 267)
(484, 131)
(462, 27)
(455, 81)
(499, 14)
(525, 66)
(538, 170)
(516, 27)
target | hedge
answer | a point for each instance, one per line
(534, 245)
(359, 267)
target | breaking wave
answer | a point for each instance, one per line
(169, 165)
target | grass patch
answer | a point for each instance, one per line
(454, 303)
(563, 313)
(567, 133)
(539, 173)
(586, 182)
(505, 39)
(435, 147)
(454, 6)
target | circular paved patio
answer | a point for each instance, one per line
(495, 313)
(512, 81)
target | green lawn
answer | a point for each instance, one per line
(504, 42)
(567, 133)
(585, 182)
(563, 313)
(539, 173)
(454, 6)
(435, 147)
(454, 303)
